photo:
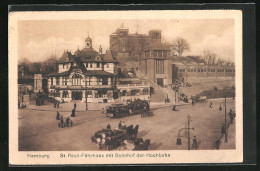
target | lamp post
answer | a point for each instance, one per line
(225, 124)
(179, 139)
(86, 95)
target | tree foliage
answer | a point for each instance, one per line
(179, 46)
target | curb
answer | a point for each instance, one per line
(152, 107)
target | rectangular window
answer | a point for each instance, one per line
(105, 81)
(91, 65)
(164, 53)
(154, 53)
(145, 67)
(98, 65)
(86, 65)
(63, 66)
(159, 66)
(107, 65)
(99, 81)
(51, 80)
(57, 81)
(159, 53)
(64, 80)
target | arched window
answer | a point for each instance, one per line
(76, 79)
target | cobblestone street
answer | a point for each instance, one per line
(38, 130)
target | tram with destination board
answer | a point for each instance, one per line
(132, 108)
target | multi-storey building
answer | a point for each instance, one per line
(125, 45)
(86, 74)
(156, 64)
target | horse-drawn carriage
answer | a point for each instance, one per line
(132, 108)
(111, 139)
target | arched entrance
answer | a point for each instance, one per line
(76, 95)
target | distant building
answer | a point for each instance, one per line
(156, 64)
(86, 74)
(164, 69)
(125, 45)
(133, 88)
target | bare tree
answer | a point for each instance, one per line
(180, 45)
(209, 57)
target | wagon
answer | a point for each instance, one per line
(109, 139)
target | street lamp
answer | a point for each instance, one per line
(179, 139)
(86, 94)
(225, 124)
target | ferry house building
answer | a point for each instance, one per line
(87, 73)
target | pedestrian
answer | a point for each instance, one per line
(220, 108)
(75, 105)
(58, 115)
(73, 113)
(174, 108)
(108, 126)
(211, 105)
(195, 143)
(231, 118)
(230, 113)
(192, 102)
(123, 125)
(120, 125)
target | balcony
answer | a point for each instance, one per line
(80, 87)
(145, 85)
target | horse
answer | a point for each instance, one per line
(135, 131)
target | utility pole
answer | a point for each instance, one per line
(86, 95)
(188, 131)
(225, 120)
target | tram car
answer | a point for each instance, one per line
(109, 139)
(131, 108)
(199, 98)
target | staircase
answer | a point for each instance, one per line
(160, 93)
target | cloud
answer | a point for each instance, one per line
(38, 51)
(222, 45)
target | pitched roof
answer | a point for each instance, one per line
(62, 74)
(86, 53)
(99, 72)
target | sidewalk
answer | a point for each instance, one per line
(231, 137)
(81, 106)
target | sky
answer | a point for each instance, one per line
(40, 39)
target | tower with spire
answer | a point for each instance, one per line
(88, 42)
